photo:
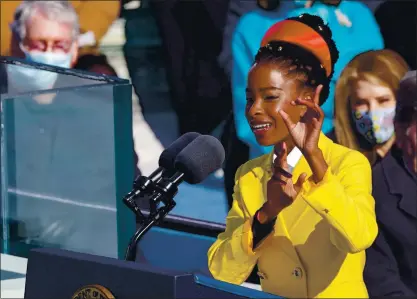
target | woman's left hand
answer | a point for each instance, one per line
(306, 132)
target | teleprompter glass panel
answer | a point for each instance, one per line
(66, 160)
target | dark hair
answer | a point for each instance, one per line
(3, 76)
(303, 65)
(406, 108)
(270, 4)
(329, 2)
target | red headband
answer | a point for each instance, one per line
(295, 32)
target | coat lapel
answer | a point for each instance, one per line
(294, 213)
(254, 186)
(400, 184)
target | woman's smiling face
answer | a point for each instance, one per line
(269, 91)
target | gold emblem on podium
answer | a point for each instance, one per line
(93, 292)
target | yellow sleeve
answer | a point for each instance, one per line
(231, 257)
(345, 201)
(97, 16)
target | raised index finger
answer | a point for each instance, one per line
(312, 107)
(281, 160)
(307, 103)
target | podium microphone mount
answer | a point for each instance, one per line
(161, 201)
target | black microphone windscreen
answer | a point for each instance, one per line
(200, 158)
(167, 158)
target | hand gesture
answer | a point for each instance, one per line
(281, 191)
(306, 132)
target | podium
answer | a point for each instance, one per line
(55, 273)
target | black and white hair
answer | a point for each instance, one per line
(60, 11)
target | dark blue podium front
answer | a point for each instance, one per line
(55, 273)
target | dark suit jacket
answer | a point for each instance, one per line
(191, 33)
(391, 261)
(397, 22)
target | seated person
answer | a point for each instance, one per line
(365, 103)
(44, 32)
(391, 261)
(304, 213)
(95, 17)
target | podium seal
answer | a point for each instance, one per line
(93, 292)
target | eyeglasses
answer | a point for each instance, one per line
(47, 45)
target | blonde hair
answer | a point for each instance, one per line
(381, 67)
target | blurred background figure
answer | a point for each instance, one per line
(39, 25)
(145, 66)
(397, 21)
(44, 32)
(238, 8)
(405, 121)
(391, 261)
(140, 62)
(365, 103)
(348, 20)
(48, 32)
(191, 33)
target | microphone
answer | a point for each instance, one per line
(166, 163)
(167, 159)
(199, 159)
(193, 164)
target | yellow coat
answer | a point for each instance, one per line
(95, 16)
(317, 247)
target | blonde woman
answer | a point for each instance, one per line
(365, 103)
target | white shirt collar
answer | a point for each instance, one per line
(293, 157)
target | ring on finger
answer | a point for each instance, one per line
(284, 172)
(278, 179)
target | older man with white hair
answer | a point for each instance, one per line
(46, 32)
(94, 18)
(49, 32)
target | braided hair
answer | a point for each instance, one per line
(301, 64)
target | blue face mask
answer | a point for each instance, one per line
(377, 126)
(27, 79)
(50, 58)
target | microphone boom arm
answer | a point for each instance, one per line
(147, 225)
(164, 192)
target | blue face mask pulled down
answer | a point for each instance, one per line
(31, 79)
